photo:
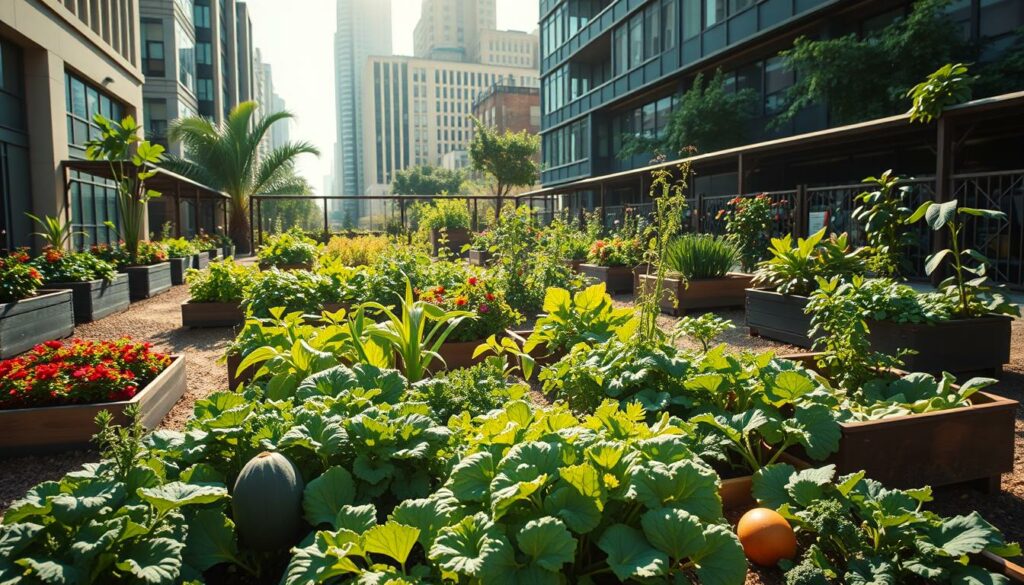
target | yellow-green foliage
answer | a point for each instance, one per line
(358, 251)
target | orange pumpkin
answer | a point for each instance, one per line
(766, 537)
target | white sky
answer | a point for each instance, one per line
(297, 38)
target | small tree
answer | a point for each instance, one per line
(427, 180)
(708, 118)
(506, 158)
(129, 158)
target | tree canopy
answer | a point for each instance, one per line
(427, 180)
(506, 158)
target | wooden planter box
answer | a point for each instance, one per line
(213, 254)
(234, 378)
(457, 238)
(178, 268)
(228, 251)
(59, 428)
(617, 279)
(574, 265)
(200, 261)
(979, 345)
(146, 282)
(97, 299)
(211, 314)
(712, 293)
(779, 317)
(297, 266)
(480, 257)
(28, 322)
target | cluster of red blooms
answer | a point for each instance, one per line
(78, 372)
(20, 257)
(740, 204)
(473, 294)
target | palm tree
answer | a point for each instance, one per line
(226, 158)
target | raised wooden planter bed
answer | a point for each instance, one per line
(211, 314)
(178, 268)
(971, 444)
(480, 257)
(228, 251)
(617, 279)
(574, 265)
(712, 293)
(28, 322)
(213, 254)
(97, 299)
(779, 317)
(979, 345)
(200, 261)
(58, 428)
(457, 238)
(146, 282)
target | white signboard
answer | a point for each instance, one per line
(816, 220)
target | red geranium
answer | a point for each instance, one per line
(78, 372)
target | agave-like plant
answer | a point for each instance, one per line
(416, 332)
(701, 256)
(55, 233)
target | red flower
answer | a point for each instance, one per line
(461, 301)
(439, 291)
(53, 344)
(34, 274)
(489, 297)
(472, 281)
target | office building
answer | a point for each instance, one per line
(363, 29)
(169, 64)
(224, 56)
(613, 72)
(509, 108)
(510, 48)
(60, 64)
(418, 111)
(450, 30)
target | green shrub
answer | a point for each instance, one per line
(794, 270)
(358, 251)
(18, 279)
(222, 282)
(62, 266)
(476, 390)
(702, 256)
(290, 247)
(293, 290)
(179, 247)
(443, 213)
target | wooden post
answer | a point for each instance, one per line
(177, 210)
(740, 179)
(943, 165)
(253, 204)
(327, 225)
(604, 223)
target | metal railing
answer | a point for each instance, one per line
(1001, 241)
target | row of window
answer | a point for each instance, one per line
(567, 20)
(646, 34)
(154, 58)
(567, 145)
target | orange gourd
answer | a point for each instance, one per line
(766, 537)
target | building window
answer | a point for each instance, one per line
(777, 81)
(636, 40)
(204, 90)
(668, 21)
(186, 58)
(201, 16)
(204, 54)
(93, 200)
(156, 120)
(153, 59)
(714, 12)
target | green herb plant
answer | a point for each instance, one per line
(55, 233)
(700, 256)
(884, 213)
(704, 329)
(794, 269)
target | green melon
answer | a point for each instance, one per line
(267, 503)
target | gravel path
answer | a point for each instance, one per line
(157, 320)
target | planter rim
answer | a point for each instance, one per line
(140, 266)
(194, 302)
(177, 361)
(985, 317)
(117, 277)
(776, 293)
(678, 277)
(41, 293)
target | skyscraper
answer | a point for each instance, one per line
(364, 29)
(450, 30)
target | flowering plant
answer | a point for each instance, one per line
(78, 372)
(205, 242)
(748, 225)
(18, 279)
(480, 297)
(148, 253)
(179, 247)
(616, 251)
(62, 266)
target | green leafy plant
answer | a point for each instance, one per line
(57, 265)
(416, 332)
(132, 162)
(855, 530)
(358, 251)
(18, 279)
(884, 213)
(704, 329)
(700, 256)
(616, 251)
(491, 312)
(289, 248)
(477, 390)
(917, 393)
(56, 233)
(886, 300)
(589, 316)
(179, 247)
(221, 282)
(840, 332)
(748, 223)
(443, 213)
(973, 294)
(296, 290)
(794, 269)
(948, 86)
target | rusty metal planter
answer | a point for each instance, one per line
(58, 428)
(28, 322)
(711, 293)
(195, 314)
(457, 238)
(978, 345)
(617, 279)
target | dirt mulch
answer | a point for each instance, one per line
(157, 320)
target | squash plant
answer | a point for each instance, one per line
(974, 297)
(856, 531)
(586, 317)
(793, 269)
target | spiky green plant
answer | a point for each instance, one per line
(701, 256)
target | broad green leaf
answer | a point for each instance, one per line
(962, 535)
(471, 477)
(684, 484)
(177, 494)
(325, 495)
(502, 500)
(940, 214)
(211, 540)
(790, 386)
(15, 538)
(630, 555)
(673, 531)
(871, 571)
(49, 571)
(579, 512)
(96, 538)
(464, 547)
(392, 539)
(935, 260)
(358, 519)
(722, 561)
(769, 485)
(429, 515)
(820, 433)
(806, 486)
(974, 575)
(154, 561)
(548, 542)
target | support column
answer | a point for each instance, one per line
(46, 116)
(741, 187)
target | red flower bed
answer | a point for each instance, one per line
(80, 372)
